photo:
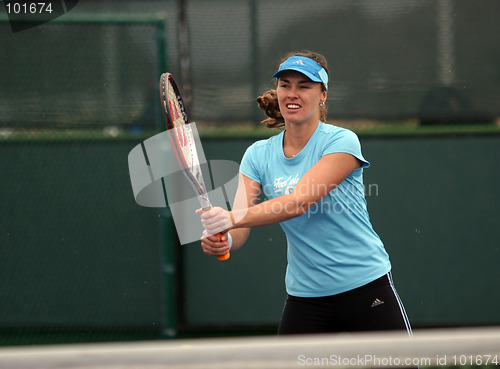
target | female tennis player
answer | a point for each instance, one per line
(338, 276)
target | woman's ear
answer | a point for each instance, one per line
(323, 99)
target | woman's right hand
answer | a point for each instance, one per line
(213, 246)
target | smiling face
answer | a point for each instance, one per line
(299, 98)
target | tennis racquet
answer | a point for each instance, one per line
(181, 136)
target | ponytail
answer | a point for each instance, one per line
(269, 103)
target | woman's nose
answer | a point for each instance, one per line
(292, 93)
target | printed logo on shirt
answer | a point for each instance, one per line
(285, 186)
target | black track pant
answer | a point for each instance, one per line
(372, 307)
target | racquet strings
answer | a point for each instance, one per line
(177, 112)
(183, 135)
(185, 141)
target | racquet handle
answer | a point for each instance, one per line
(219, 236)
(225, 256)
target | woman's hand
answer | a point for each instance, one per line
(216, 220)
(213, 246)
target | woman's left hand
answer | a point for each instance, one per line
(216, 220)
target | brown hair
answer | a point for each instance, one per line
(268, 102)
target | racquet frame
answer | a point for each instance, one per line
(181, 137)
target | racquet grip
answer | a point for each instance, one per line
(219, 236)
(225, 256)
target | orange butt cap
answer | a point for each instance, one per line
(224, 257)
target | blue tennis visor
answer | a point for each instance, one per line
(307, 67)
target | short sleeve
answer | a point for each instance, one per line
(345, 141)
(249, 164)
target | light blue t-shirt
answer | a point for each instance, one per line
(332, 248)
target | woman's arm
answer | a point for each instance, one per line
(321, 179)
(247, 195)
